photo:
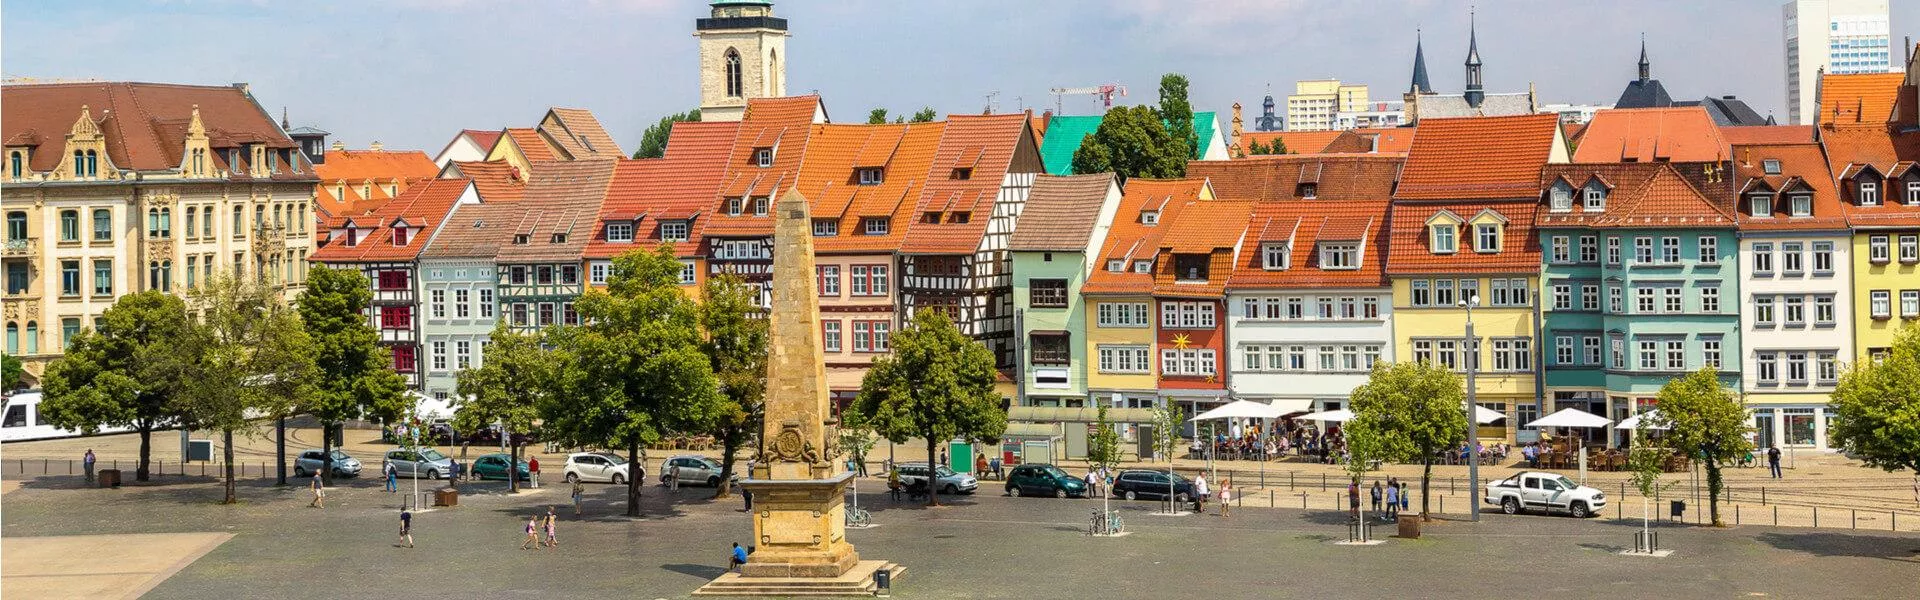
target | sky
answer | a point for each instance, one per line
(412, 73)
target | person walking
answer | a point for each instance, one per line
(88, 461)
(1405, 498)
(579, 490)
(1374, 497)
(1353, 497)
(552, 541)
(994, 465)
(1773, 460)
(319, 494)
(392, 475)
(1226, 496)
(1200, 494)
(1393, 501)
(406, 527)
(532, 537)
(943, 458)
(533, 471)
(1093, 483)
(738, 558)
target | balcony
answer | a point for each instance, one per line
(20, 247)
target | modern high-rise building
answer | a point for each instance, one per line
(1315, 102)
(1839, 36)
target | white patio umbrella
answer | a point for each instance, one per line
(1573, 417)
(1633, 422)
(1330, 416)
(1483, 415)
(1241, 409)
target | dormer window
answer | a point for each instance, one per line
(522, 239)
(826, 227)
(353, 236)
(1143, 266)
(1339, 256)
(1760, 205)
(874, 225)
(1445, 238)
(1190, 267)
(760, 206)
(558, 238)
(1770, 166)
(960, 217)
(1913, 193)
(1149, 217)
(1486, 238)
(931, 217)
(1802, 205)
(1274, 257)
(1595, 197)
(673, 231)
(763, 157)
(733, 206)
(400, 235)
(16, 163)
(1560, 198)
(872, 176)
(1116, 265)
(1869, 193)
(1309, 191)
(621, 232)
(963, 173)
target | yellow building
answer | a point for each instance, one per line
(1871, 151)
(1315, 102)
(1118, 294)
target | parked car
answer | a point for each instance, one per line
(599, 466)
(494, 466)
(694, 468)
(425, 462)
(1546, 492)
(312, 461)
(945, 480)
(1041, 479)
(1135, 484)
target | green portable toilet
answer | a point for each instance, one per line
(960, 453)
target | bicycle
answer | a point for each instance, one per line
(858, 517)
(1104, 522)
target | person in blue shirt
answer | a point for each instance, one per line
(739, 558)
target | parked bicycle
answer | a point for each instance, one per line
(1105, 522)
(858, 517)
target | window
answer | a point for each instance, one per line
(1910, 304)
(518, 314)
(1643, 301)
(1763, 310)
(1791, 260)
(829, 280)
(1881, 304)
(1561, 198)
(1487, 238)
(1122, 314)
(874, 225)
(1186, 315)
(1709, 249)
(1670, 250)
(1869, 193)
(735, 86)
(673, 231)
(1562, 295)
(688, 275)
(436, 303)
(871, 176)
(1909, 248)
(1649, 355)
(14, 164)
(1590, 349)
(1767, 368)
(1325, 305)
(1801, 205)
(1561, 248)
(461, 350)
(962, 174)
(1149, 217)
(547, 314)
(1296, 308)
(485, 303)
(760, 206)
(830, 335)
(1187, 362)
(1421, 295)
(437, 355)
(1048, 293)
(1676, 355)
(1309, 191)
(103, 225)
(1823, 258)
(1619, 352)
(1595, 197)
(1513, 355)
(1563, 350)
(1823, 310)
(1370, 307)
(1116, 265)
(1124, 359)
(763, 157)
(103, 276)
(620, 232)
(1050, 348)
(460, 298)
(1589, 249)
(1642, 250)
(1826, 368)
(1339, 256)
(396, 317)
(1913, 193)
(1143, 266)
(1877, 250)
(1710, 299)
(70, 278)
(69, 226)
(1673, 300)
(825, 228)
(392, 280)
(1443, 292)
(1796, 309)
(1763, 259)
(1710, 352)
(1796, 368)
(1190, 267)
(1613, 250)
(1760, 205)
(1444, 238)
(1275, 256)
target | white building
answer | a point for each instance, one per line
(1839, 36)
(1376, 115)
(1574, 113)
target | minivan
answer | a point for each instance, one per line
(1041, 479)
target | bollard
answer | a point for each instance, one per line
(1736, 514)
(69, 467)
(1289, 479)
(1323, 482)
(43, 466)
(1816, 516)
(1449, 485)
(1856, 519)
(1776, 516)
(1894, 518)
(1270, 498)
(1763, 495)
(1303, 501)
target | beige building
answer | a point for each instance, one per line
(1315, 103)
(742, 52)
(115, 188)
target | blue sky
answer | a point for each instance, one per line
(410, 73)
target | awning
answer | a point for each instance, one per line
(1330, 416)
(1240, 409)
(1571, 417)
(1655, 421)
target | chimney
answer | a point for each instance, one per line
(339, 145)
(376, 146)
(244, 88)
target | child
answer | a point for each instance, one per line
(1393, 501)
(1226, 496)
(1403, 496)
(406, 527)
(578, 491)
(532, 538)
(552, 541)
(738, 559)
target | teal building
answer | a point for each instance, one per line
(1066, 219)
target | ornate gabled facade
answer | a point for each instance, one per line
(114, 188)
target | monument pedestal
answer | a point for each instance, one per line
(799, 528)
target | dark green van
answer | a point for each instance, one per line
(1040, 479)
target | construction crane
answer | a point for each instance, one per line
(1105, 92)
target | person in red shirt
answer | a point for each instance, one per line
(533, 471)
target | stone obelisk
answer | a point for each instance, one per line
(799, 523)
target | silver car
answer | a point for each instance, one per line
(695, 469)
(425, 462)
(599, 466)
(312, 461)
(946, 481)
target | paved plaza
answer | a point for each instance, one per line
(983, 546)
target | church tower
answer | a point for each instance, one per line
(1475, 92)
(743, 53)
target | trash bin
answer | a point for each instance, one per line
(1409, 527)
(882, 582)
(446, 496)
(1677, 509)
(109, 478)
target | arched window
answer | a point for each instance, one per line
(193, 226)
(153, 275)
(166, 222)
(93, 164)
(15, 163)
(166, 276)
(277, 222)
(33, 337)
(79, 164)
(102, 224)
(260, 216)
(69, 225)
(734, 86)
(153, 222)
(300, 218)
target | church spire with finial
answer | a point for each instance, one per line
(1475, 92)
(284, 124)
(1646, 68)
(1420, 84)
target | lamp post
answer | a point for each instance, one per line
(1473, 452)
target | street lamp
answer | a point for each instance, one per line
(1473, 452)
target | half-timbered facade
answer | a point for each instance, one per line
(539, 272)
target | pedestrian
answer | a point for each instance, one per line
(532, 537)
(1093, 483)
(1353, 497)
(1374, 496)
(533, 471)
(1226, 496)
(1405, 498)
(88, 461)
(980, 466)
(406, 527)
(738, 558)
(943, 458)
(579, 490)
(1773, 460)
(319, 494)
(1393, 501)
(673, 478)
(553, 541)
(746, 496)
(393, 476)
(1200, 494)
(995, 466)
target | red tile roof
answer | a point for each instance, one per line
(495, 180)
(1061, 212)
(1382, 140)
(985, 144)
(1768, 134)
(1638, 195)
(1478, 157)
(1336, 177)
(423, 207)
(354, 166)
(483, 137)
(530, 144)
(781, 124)
(1297, 142)
(564, 198)
(477, 230)
(1852, 148)
(577, 133)
(1206, 225)
(145, 124)
(1410, 247)
(1130, 239)
(1303, 225)
(829, 179)
(678, 186)
(1680, 134)
(1859, 98)
(1803, 170)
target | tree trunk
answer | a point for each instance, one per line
(227, 438)
(280, 450)
(933, 497)
(513, 465)
(729, 444)
(634, 481)
(326, 454)
(1426, 476)
(1713, 490)
(146, 451)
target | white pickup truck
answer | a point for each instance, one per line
(1546, 492)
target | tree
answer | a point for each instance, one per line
(1167, 420)
(1365, 444)
(924, 115)
(1103, 446)
(128, 373)
(1417, 409)
(1279, 146)
(254, 357)
(508, 388)
(1131, 142)
(1706, 421)
(357, 379)
(736, 348)
(936, 385)
(635, 370)
(1256, 148)
(877, 116)
(653, 142)
(854, 439)
(1646, 462)
(1878, 408)
(1178, 115)
(11, 372)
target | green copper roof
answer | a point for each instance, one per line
(1064, 134)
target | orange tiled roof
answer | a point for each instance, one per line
(678, 186)
(477, 230)
(1679, 134)
(1061, 212)
(424, 207)
(782, 124)
(354, 166)
(495, 180)
(1297, 142)
(1803, 170)
(531, 145)
(1336, 177)
(579, 134)
(1858, 98)
(1129, 239)
(1768, 134)
(1574, 132)
(1638, 195)
(1383, 140)
(829, 179)
(562, 197)
(1410, 247)
(985, 144)
(1303, 226)
(1207, 225)
(484, 138)
(1852, 149)
(1478, 157)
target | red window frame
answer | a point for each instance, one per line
(396, 317)
(403, 359)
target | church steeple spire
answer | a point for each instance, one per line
(1420, 84)
(1475, 91)
(1646, 68)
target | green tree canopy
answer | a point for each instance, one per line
(924, 115)
(12, 372)
(357, 376)
(1878, 405)
(936, 385)
(1416, 409)
(1103, 446)
(128, 373)
(877, 116)
(254, 357)
(736, 347)
(1707, 422)
(653, 142)
(1177, 112)
(1131, 142)
(508, 388)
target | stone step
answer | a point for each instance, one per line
(857, 582)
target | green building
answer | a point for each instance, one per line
(1066, 219)
(1064, 134)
